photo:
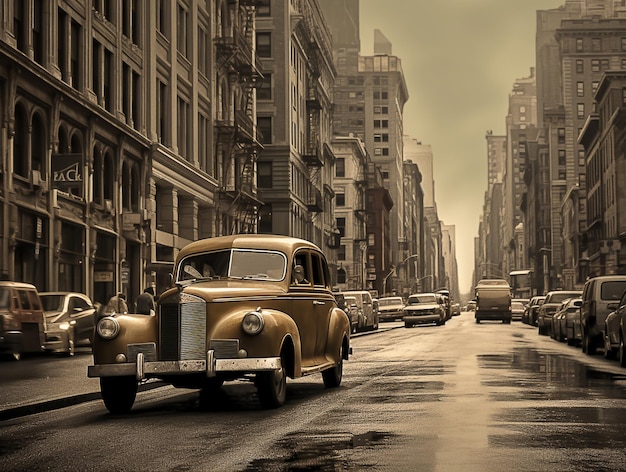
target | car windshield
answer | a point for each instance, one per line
(517, 306)
(390, 301)
(235, 263)
(52, 302)
(414, 300)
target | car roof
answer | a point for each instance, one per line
(286, 244)
(9, 283)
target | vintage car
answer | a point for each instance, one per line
(424, 308)
(70, 320)
(390, 308)
(257, 307)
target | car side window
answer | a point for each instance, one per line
(318, 272)
(79, 305)
(24, 300)
(301, 269)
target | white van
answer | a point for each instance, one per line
(368, 316)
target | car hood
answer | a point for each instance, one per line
(216, 290)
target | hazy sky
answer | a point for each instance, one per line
(460, 60)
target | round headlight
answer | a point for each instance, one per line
(108, 328)
(253, 323)
(64, 326)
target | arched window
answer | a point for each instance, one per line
(38, 144)
(341, 276)
(20, 142)
(130, 186)
(109, 180)
(63, 145)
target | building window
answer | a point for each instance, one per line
(341, 226)
(341, 273)
(182, 33)
(580, 111)
(340, 167)
(561, 135)
(580, 66)
(580, 89)
(264, 88)
(265, 219)
(341, 199)
(264, 125)
(162, 113)
(624, 44)
(162, 10)
(594, 86)
(579, 44)
(264, 175)
(38, 33)
(203, 51)
(264, 44)
(561, 157)
(263, 8)
(596, 44)
(183, 128)
(204, 153)
(595, 65)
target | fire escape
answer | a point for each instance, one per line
(237, 139)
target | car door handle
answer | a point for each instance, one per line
(317, 302)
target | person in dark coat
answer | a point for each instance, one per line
(145, 302)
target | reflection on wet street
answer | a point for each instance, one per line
(485, 398)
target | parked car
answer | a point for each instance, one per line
(456, 309)
(531, 311)
(424, 308)
(563, 328)
(355, 315)
(601, 296)
(615, 333)
(517, 310)
(390, 308)
(22, 322)
(70, 320)
(369, 315)
(265, 311)
(471, 305)
(550, 306)
(493, 300)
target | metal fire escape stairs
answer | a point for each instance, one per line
(237, 136)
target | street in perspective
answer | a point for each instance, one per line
(313, 235)
(462, 396)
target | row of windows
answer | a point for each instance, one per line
(595, 44)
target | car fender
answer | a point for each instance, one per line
(134, 329)
(279, 329)
(340, 325)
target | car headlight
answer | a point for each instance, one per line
(253, 323)
(108, 327)
(64, 326)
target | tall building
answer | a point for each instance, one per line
(294, 115)
(521, 125)
(130, 132)
(385, 94)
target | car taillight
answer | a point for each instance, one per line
(9, 323)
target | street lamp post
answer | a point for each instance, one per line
(391, 272)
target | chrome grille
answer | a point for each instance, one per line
(225, 348)
(182, 329)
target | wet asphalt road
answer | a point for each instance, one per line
(461, 397)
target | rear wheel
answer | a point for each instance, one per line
(332, 377)
(588, 345)
(118, 393)
(407, 324)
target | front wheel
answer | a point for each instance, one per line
(118, 393)
(588, 346)
(272, 386)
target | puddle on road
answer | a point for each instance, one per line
(321, 451)
(551, 376)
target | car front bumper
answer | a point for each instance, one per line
(419, 319)
(142, 368)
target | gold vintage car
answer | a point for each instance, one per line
(256, 307)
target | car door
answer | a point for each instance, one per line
(82, 314)
(323, 302)
(303, 309)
